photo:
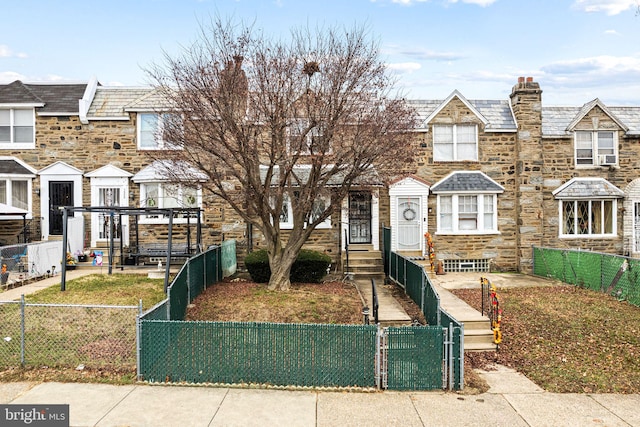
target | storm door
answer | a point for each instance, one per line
(60, 194)
(359, 217)
(409, 224)
(108, 197)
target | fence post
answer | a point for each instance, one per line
(22, 329)
(138, 337)
(423, 290)
(451, 361)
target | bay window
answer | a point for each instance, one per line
(467, 213)
(588, 217)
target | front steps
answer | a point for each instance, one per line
(364, 264)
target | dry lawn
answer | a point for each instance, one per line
(240, 300)
(567, 339)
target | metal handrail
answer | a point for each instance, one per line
(346, 251)
(374, 293)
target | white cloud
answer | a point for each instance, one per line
(6, 52)
(595, 65)
(610, 7)
(10, 76)
(422, 54)
(482, 3)
(612, 33)
(404, 67)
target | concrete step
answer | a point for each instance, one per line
(361, 247)
(366, 268)
(478, 336)
(483, 325)
(479, 346)
(362, 255)
(365, 261)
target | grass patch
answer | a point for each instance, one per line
(245, 301)
(567, 339)
(104, 289)
(62, 337)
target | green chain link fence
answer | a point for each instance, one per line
(416, 283)
(415, 356)
(263, 353)
(615, 275)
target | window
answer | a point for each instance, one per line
(319, 206)
(307, 140)
(17, 127)
(15, 193)
(596, 148)
(467, 213)
(165, 196)
(150, 131)
(588, 217)
(455, 143)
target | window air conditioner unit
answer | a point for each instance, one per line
(607, 159)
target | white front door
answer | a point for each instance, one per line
(409, 220)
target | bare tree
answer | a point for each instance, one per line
(270, 121)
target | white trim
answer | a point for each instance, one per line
(97, 183)
(614, 218)
(58, 171)
(87, 98)
(456, 94)
(408, 187)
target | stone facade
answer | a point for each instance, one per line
(526, 148)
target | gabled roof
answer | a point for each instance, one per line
(586, 108)
(60, 168)
(411, 177)
(14, 166)
(588, 188)
(163, 170)
(561, 121)
(496, 115)
(466, 182)
(109, 102)
(108, 171)
(49, 99)
(151, 101)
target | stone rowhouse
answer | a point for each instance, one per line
(492, 177)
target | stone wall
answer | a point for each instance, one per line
(496, 151)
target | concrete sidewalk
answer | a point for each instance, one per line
(511, 402)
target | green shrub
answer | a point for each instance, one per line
(310, 266)
(257, 263)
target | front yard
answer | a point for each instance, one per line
(566, 339)
(241, 300)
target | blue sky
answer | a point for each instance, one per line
(577, 50)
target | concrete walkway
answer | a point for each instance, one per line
(509, 403)
(390, 312)
(15, 293)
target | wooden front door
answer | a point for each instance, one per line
(60, 194)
